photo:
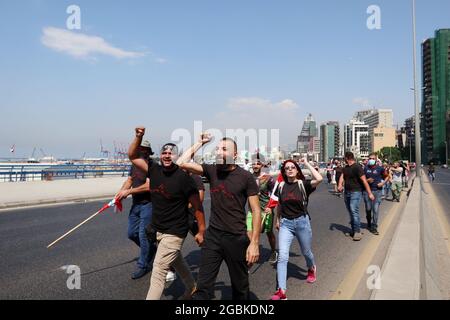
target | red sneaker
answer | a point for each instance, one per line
(312, 275)
(279, 295)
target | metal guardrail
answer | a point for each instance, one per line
(15, 173)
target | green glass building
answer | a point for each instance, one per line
(435, 124)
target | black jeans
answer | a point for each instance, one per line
(218, 246)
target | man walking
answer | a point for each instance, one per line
(172, 190)
(355, 182)
(141, 211)
(226, 238)
(397, 182)
(265, 183)
(376, 178)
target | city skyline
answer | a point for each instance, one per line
(167, 65)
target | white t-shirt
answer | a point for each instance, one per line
(397, 175)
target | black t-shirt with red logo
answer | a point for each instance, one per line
(170, 192)
(229, 192)
(138, 178)
(291, 199)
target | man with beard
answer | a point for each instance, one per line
(172, 190)
(226, 237)
(265, 183)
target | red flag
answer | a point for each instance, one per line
(114, 203)
(273, 202)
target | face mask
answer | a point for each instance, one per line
(372, 162)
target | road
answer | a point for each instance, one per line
(441, 187)
(107, 258)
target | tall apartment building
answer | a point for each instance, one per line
(305, 139)
(329, 141)
(379, 118)
(356, 138)
(435, 124)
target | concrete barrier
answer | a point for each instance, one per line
(417, 265)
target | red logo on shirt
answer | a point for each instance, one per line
(161, 189)
(222, 189)
(290, 196)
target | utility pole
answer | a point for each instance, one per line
(416, 96)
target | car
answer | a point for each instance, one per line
(445, 166)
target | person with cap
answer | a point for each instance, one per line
(231, 187)
(172, 190)
(266, 184)
(141, 211)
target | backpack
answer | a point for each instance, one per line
(303, 192)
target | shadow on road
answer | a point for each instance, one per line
(111, 267)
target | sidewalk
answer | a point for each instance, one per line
(20, 194)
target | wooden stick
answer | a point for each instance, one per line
(73, 229)
(263, 219)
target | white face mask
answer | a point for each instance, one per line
(372, 162)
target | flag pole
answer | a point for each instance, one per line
(75, 228)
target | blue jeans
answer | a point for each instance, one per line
(372, 207)
(141, 216)
(352, 201)
(387, 189)
(301, 229)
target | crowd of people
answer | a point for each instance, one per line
(245, 202)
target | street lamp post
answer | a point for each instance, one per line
(416, 93)
(410, 150)
(446, 151)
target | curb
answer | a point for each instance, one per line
(16, 205)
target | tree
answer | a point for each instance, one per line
(390, 154)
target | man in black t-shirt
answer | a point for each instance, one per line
(226, 238)
(355, 182)
(172, 190)
(141, 211)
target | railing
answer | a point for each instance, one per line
(15, 173)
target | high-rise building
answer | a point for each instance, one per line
(435, 124)
(305, 139)
(360, 115)
(329, 140)
(356, 138)
(379, 118)
(382, 137)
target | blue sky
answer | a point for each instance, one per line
(231, 64)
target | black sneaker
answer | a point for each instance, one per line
(139, 273)
(273, 258)
(375, 231)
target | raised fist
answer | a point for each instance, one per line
(140, 131)
(205, 138)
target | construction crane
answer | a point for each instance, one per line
(103, 152)
(32, 159)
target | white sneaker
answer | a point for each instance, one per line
(171, 276)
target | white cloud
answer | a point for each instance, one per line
(361, 102)
(259, 104)
(161, 60)
(81, 45)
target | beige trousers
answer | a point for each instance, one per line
(168, 254)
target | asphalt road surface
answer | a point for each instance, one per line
(28, 270)
(441, 187)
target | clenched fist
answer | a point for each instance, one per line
(140, 131)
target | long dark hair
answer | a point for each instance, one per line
(300, 175)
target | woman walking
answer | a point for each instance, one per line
(293, 220)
